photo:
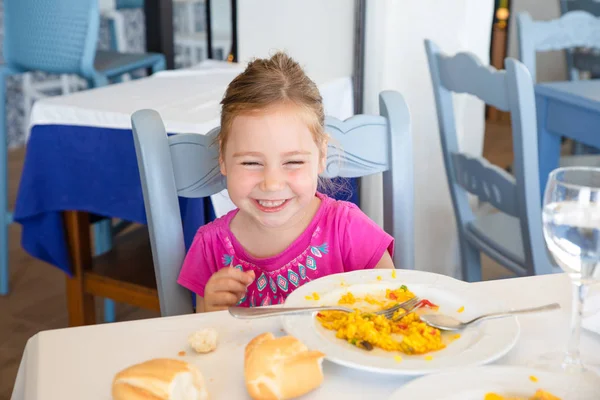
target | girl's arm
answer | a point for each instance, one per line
(386, 262)
(199, 304)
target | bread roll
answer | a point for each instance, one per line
(160, 379)
(281, 368)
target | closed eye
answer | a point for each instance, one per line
(295, 162)
(250, 163)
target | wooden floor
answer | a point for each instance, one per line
(37, 300)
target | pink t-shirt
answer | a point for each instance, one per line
(340, 238)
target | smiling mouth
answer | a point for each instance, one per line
(271, 205)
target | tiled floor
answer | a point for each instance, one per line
(37, 300)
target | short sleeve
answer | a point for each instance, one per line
(198, 266)
(363, 241)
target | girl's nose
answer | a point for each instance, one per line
(274, 180)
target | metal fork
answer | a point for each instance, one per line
(261, 312)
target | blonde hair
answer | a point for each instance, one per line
(270, 82)
(275, 81)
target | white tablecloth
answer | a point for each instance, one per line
(188, 101)
(79, 363)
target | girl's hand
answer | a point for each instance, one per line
(225, 288)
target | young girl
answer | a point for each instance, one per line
(284, 232)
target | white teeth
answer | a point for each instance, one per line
(271, 203)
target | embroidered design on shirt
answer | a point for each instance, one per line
(261, 282)
(227, 259)
(266, 301)
(318, 251)
(279, 281)
(302, 270)
(282, 283)
(273, 286)
(293, 278)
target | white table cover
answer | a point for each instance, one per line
(188, 101)
(79, 363)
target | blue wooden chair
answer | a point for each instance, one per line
(578, 60)
(187, 165)
(56, 36)
(513, 235)
(572, 30)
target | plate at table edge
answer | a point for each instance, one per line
(501, 379)
(488, 341)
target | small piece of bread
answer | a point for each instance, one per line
(281, 368)
(203, 341)
(160, 379)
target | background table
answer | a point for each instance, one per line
(78, 363)
(565, 109)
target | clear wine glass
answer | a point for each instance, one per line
(571, 224)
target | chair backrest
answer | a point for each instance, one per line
(186, 165)
(578, 60)
(55, 36)
(573, 29)
(508, 90)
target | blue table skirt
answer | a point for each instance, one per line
(94, 170)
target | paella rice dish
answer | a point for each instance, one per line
(405, 332)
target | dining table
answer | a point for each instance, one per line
(80, 362)
(566, 109)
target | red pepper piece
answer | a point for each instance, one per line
(426, 303)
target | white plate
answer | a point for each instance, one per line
(474, 383)
(477, 345)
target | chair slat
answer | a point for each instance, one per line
(196, 164)
(487, 181)
(573, 29)
(358, 146)
(463, 73)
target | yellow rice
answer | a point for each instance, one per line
(416, 336)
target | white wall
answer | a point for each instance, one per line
(552, 65)
(317, 33)
(396, 60)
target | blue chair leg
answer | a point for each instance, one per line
(109, 311)
(4, 215)
(471, 261)
(159, 66)
(112, 28)
(102, 236)
(102, 244)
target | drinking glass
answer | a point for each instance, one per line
(571, 225)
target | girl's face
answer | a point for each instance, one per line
(272, 165)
